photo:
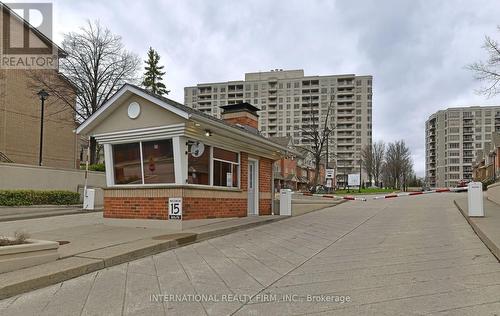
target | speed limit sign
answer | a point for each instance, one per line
(175, 208)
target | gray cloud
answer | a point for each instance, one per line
(416, 50)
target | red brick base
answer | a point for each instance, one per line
(192, 208)
(199, 208)
(198, 203)
(265, 207)
(135, 207)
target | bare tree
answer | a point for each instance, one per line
(367, 161)
(96, 66)
(378, 152)
(488, 71)
(316, 130)
(398, 164)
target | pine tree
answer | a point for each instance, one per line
(153, 75)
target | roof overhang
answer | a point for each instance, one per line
(258, 142)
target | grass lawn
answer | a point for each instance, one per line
(364, 191)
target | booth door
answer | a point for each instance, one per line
(253, 185)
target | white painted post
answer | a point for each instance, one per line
(475, 199)
(286, 202)
(180, 159)
(108, 161)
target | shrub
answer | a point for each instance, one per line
(32, 197)
(19, 239)
(97, 167)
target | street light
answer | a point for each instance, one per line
(43, 95)
(494, 154)
(360, 163)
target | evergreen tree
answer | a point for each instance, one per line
(153, 75)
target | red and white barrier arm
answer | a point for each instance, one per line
(381, 197)
(329, 196)
(395, 195)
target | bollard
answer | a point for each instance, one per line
(475, 199)
(286, 202)
(89, 199)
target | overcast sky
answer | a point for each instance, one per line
(415, 50)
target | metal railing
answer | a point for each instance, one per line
(4, 158)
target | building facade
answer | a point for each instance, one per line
(295, 170)
(454, 138)
(157, 150)
(288, 98)
(20, 108)
(486, 167)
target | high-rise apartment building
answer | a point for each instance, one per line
(287, 97)
(452, 138)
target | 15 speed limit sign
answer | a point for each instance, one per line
(175, 208)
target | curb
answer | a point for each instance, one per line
(9, 218)
(24, 280)
(486, 241)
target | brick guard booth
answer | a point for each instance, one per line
(157, 149)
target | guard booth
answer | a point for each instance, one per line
(166, 161)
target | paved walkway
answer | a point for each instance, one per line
(41, 211)
(387, 257)
(487, 227)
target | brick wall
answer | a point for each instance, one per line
(199, 208)
(265, 178)
(243, 121)
(20, 122)
(244, 171)
(198, 203)
(135, 207)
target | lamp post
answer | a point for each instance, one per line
(43, 95)
(494, 165)
(360, 182)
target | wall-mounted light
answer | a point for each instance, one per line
(208, 132)
(197, 124)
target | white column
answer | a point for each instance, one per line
(211, 166)
(108, 161)
(180, 159)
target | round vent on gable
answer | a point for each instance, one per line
(134, 109)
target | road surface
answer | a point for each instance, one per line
(410, 255)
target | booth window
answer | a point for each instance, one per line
(127, 163)
(158, 161)
(225, 168)
(198, 168)
(155, 162)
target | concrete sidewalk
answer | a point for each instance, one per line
(93, 246)
(487, 227)
(39, 211)
(87, 244)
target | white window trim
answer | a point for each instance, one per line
(110, 165)
(180, 149)
(238, 167)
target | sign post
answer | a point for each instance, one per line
(329, 175)
(353, 180)
(175, 208)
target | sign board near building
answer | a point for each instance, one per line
(353, 179)
(175, 208)
(329, 173)
(329, 183)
